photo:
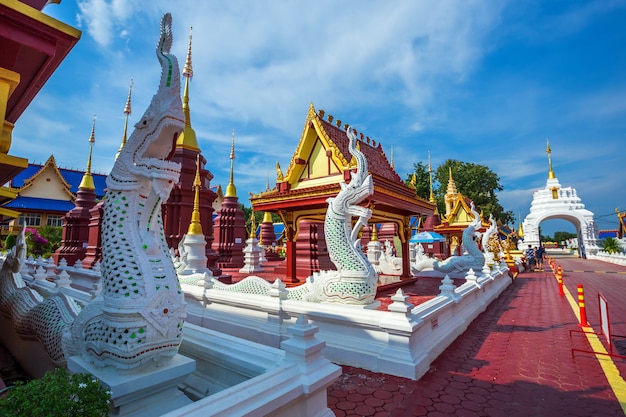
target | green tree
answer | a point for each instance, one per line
(562, 236)
(421, 182)
(475, 181)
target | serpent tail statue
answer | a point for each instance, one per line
(140, 313)
(472, 256)
(355, 280)
(31, 314)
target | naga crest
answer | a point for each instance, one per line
(155, 134)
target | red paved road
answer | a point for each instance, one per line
(514, 360)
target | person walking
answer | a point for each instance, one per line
(540, 253)
(530, 258)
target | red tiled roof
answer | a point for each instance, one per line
(376, 160)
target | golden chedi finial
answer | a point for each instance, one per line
(127, 111)
(187, 139)
(252, 233)
(87, 182)
(267, 217)
(374, 233)
(231, 190)
(195, 227)
(431, 198)
(549, 151)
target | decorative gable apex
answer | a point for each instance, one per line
(47, 183)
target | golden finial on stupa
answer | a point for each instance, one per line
(187, 139)
(374, 233)
(231, 190)
(252, 233)
(195, 227)
(87, 182)
(549, 151)
(127, 111)
(431, 198)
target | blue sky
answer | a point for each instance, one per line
(479, 81)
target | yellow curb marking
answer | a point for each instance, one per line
(616, 382)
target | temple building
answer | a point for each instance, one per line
(177, 211)
(320, 162)
(457, 217)
(45, 193)
(33, 45)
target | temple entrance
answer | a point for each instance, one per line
(556, 202)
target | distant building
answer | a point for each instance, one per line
(45, 193)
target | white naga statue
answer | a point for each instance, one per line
(472, 256)
(140, 313)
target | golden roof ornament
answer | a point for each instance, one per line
(87, 181)
(127, 111)
(279, 172)
(231, 190)
(187, 138)
(549, 151)
(195, 227)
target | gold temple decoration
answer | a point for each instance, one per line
(187, 139)
(87, 182)
(231, 190)
(195, 227)
(127, 111)
(279, 172)
(252, 233)
(549, 151)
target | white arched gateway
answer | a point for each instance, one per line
(556, 202)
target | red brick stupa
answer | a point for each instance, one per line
(230, 224)
(76, 221)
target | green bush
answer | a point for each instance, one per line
(611, 245)
(9, 242)
(57, 394)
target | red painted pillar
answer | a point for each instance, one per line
(290, 256)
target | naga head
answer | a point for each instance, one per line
(154, 136)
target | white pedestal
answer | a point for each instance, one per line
(149, 391)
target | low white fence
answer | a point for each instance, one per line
(402, 340)
(614, 258)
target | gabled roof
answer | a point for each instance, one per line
(461, 214)
(322, 160)
(70, 178)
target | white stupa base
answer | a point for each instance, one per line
(146, 392)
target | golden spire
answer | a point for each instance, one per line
(430, 174)
(231, 190)
(187, 139)
(549, 151)
(520, 231)
(195, 227)
(127, 111)
(87, 182)
(374, 233)
(252, 234)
